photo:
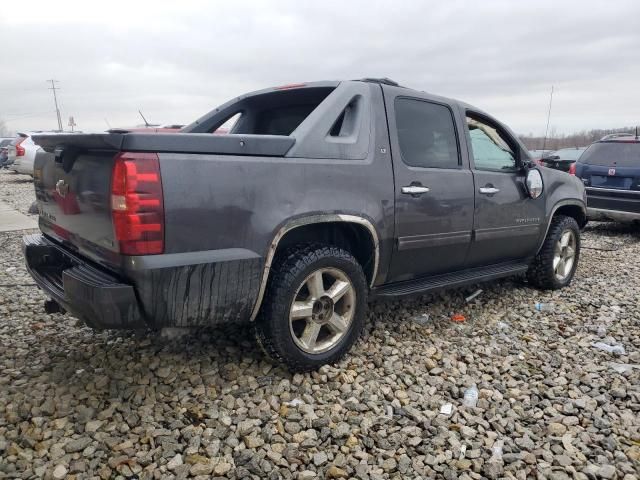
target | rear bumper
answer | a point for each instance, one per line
(172, 290)
(599, 214)
(612, 204)
(99, 299)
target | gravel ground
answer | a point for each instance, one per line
(17, 190)
(85, 404)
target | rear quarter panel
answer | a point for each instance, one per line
(219, 202)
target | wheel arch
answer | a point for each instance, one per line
(570, 208)
(343, 230)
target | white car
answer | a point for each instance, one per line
(22, 153)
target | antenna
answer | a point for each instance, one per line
(107, 122)
(146, 124)
(55, 101)
(544, 143)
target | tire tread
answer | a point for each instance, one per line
(540, 273)
(270, 333)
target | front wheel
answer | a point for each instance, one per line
(314, 307)
(557, 260)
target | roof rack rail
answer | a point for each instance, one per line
(384, 81)
(612, 136)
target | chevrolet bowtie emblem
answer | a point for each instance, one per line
(62, 188)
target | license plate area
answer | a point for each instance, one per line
(611, 182)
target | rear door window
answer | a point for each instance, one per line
(426, 134)
(609, 153)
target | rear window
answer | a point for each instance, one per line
(569, 153)
(608, 153)
(277, 112)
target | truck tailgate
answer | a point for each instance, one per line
(74, 202)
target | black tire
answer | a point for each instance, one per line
(272, 329)
(541, 272)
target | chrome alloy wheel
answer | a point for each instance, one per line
(322, 310)
(564, 255)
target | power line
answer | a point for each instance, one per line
(55, 100)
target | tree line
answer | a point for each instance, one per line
(556, 141)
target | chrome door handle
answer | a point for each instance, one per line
(414, 190)
(488, 190)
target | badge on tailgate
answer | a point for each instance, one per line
(62, 188)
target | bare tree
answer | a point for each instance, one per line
(584, 138)
(4, 131)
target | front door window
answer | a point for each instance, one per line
(490, 149)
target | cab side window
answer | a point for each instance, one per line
(426, 134)
(490, 148)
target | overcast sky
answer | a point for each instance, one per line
(177, 60)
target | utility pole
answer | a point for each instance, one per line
(546, 132)
(55, 100)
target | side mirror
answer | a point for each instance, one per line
(535, 186)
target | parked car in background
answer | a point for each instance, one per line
(562, 159)
(4, 151)
(322, 195)
(536, 155)
(610, 171)
(172, 128)
(162, 129)
(22, 153)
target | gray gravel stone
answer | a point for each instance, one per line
(77, 444)
(59, 472)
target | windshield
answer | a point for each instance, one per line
(621, 154)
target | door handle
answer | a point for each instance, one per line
(488, 190)
(414, 190)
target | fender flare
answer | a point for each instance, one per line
(561, 203)
(308, 220)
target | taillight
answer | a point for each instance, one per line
(572, 169)
(20, 149)
(137, 207)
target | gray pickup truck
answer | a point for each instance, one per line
(322, 196)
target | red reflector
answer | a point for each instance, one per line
(572, 169)
(137, 207)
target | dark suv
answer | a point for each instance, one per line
(610, 171)
(321, 196)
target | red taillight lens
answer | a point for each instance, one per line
(20, 149)
(137, 207)
(572, 169)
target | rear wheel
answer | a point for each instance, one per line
(314, 307)
(556, 263)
